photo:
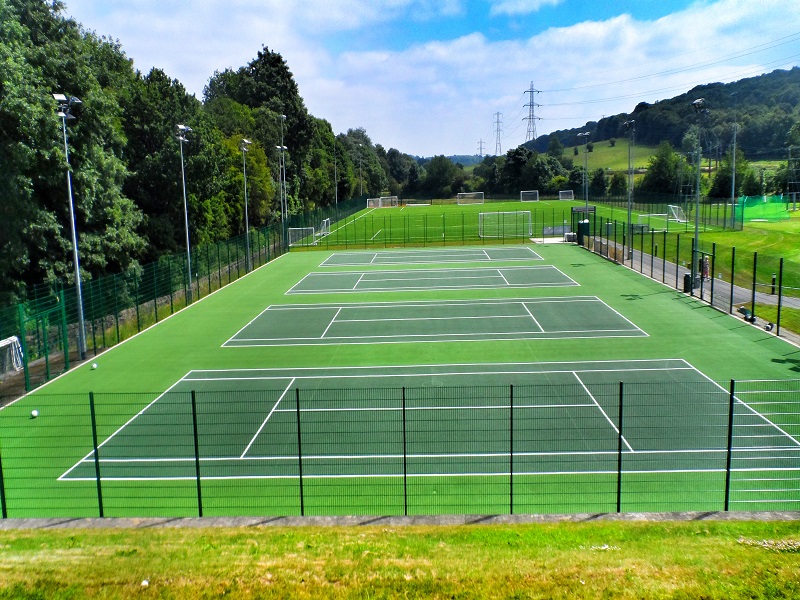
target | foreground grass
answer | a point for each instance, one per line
(565, 560)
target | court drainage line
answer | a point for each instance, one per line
(255, 437)
(333, 320)
(600, 408)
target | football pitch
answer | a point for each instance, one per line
(486, 380)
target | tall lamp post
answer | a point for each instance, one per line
(244, 146)
(183, 131)
(631, 126)
(700, 110)
(282, 186)
(360, 177)
(65, 106)
(585, 135)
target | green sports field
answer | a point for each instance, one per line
(533, 378)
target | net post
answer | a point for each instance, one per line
(619, 448)
(664, 258)
(729, 455)
(405, 456)
(64, 330)
(155, 291)
(101, 512)
(299, 452)
(677, 261)
(511, 449)
(196, 456)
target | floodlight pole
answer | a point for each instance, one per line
(585, 135)
(631, 125)
(244, 146)
(183, 130)
(65, 112)
(699, 107)
(360, 177)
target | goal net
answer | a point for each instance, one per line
(324, 228)
(676, 213)
(657, 222)
(301, 236)
(566, 195)
(383, 202)
(505, 224)
(529, 196)
(10, 355)
(469, 198)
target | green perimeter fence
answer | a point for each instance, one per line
(530, 449)
(116, 307)
(760, 287)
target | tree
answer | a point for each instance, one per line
(663, 171)
(721, 185)
(598, 183)
(618, 185)
(554, 147)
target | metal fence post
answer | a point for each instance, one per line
(299, 452)
(3, 508)
(96, 457)
(511, 449)
(729, 456)
(197, 456)
(677, 261)
(733, 276)
(713, 269)
(405, 457)
(619, 449)
(780, 297)
(753, 291)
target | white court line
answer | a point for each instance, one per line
(128, 422)
(601, 409)
(500, 272)
(376, 235)
(333, 320)
(525, 306)
(278, 401)
(359, 280)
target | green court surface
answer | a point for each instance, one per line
(432, 279)
(430, 256)
(434, 321)
(549, 380)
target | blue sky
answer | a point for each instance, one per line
(428, 76)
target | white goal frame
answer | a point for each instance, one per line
(383, 202)
(10, 355)
(324, 228)
(502, 225)
(566, 195)
(529, 196)
(469, 198)
(301, 236)
(676, 213)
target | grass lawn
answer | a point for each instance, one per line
(700, 559)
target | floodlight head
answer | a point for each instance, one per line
(244, 145)
(281, 148)
(184, 128)
(73, 101)
(60, 97)
(283, 117)
(699, 104)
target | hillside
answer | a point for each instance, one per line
(764, 108)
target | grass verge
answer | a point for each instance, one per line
(564, 560)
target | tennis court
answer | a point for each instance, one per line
(556, 419)
(434, 321)
(432, 279)
(430, 255)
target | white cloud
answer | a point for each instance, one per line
(519, 7)
(439, 96)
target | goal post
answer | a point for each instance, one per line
(324, 228)
(301, 236)
(10, 355)
(383, 202)
(566, 195)
(529, 196)
(502, 225)
(469, 198)
(676, 213)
